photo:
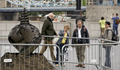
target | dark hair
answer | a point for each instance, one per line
(80, 21)
(81, 13)
(116, 14)
(108, 23)
(102, 18)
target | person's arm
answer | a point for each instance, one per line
(83, 19)
(61, 33)
(55, 32)
(44, 27)
(100, 21)
(113, 18)
(109, 36)
(67, 40)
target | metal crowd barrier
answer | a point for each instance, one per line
(9, 56)
(94, 54)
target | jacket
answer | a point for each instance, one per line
(80, 18)
(47, 28)
(108, 36)
(84, 34)
(60, 39)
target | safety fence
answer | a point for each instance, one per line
(93, 57)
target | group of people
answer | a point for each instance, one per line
(107, 33)
(79, 33)
(115, 26)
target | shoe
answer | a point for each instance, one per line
(82, 66)
(41, 54)
(78, 65)
(56, 65)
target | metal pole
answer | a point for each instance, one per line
(62, 55)
(78, 4)
(100, 54)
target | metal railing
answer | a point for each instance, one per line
(94, 54)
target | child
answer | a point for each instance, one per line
(102, 22)
(61, 42)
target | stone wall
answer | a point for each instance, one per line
(3, 3)
(93, 27)
(94, 12)
(6, 26)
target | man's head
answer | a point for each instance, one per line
(116, 14)
(66, 28)
(81, 13)
(51, 16)
(107, 24)
(79, 23)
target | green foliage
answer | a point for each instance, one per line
(57, 13)
(31, 13)
(44, 13)
(83, 2)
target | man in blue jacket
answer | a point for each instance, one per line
(115, 26)
(80, 32)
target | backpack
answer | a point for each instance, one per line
(114, 37)
(84, 29)
(117, 21)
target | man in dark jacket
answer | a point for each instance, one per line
(48, 30)
(80, 17)
(80, 32)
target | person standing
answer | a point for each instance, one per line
(102, 23)
(80, 17)
(107, 36)
(80, 32)
(47, 29)
(115, 26)
(61, 42)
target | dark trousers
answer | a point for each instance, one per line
(57, 54)
(115, 29)
(108, 59)
(118, 1)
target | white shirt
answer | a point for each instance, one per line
(79, 32)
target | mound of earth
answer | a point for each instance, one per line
(21, 62)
